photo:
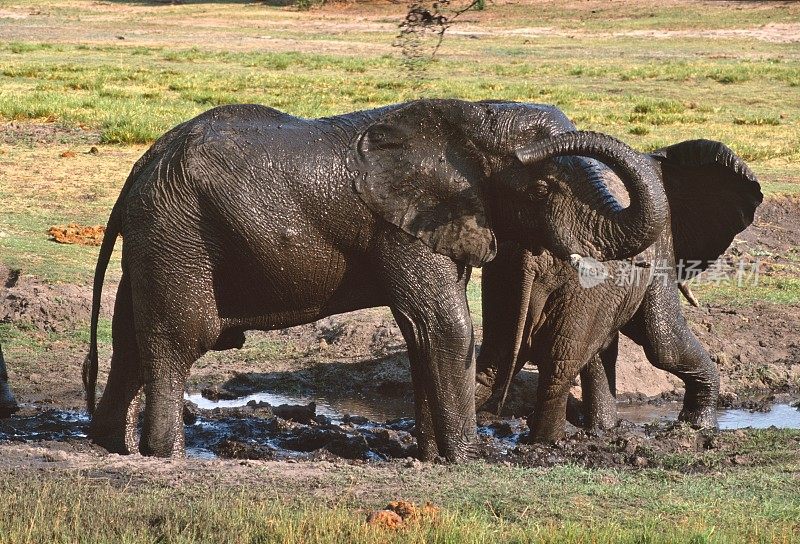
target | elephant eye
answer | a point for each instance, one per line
(539, 189)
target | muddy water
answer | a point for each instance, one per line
(781, 416)
(372, 409)
(270, 426)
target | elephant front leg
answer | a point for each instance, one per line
(426, 435)
(427, 293)
(660, 328)
(550, 413)
(598, 387)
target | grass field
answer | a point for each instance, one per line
(115, 75)
(479, 503)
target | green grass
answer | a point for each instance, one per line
(769, 289)
(480, 503)
(132, 97)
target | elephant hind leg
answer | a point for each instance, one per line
(661, 329)
(598, 386)
(176, 323)
(168, 351)
(114, 421)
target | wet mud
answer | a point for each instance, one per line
(258, 430)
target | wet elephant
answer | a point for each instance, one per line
(565, 315)
(249, 218)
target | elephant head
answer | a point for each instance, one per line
(458, 175)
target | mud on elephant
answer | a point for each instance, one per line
(565, 315)
(249, 218)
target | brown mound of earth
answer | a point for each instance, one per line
(29, 301)
(397, 513)
(385, 519)
(77, 234)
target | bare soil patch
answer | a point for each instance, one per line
(27, 133)
(30, 302)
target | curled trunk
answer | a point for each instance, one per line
(618, 232)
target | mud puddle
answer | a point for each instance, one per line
(336, 409)
(276, 427)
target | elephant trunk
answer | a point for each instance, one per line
(625, 232)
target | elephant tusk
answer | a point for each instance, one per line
(684, 288)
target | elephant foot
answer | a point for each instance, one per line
(163, 444)
(543, 433)
(113, 440)
(427, 450)
(702, 418)
(7, 409)
(462, 454)
(601, 417)
(114, 443)
(8, 404)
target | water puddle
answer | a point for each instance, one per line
(46, 425)
(782, 416)
(372, 409)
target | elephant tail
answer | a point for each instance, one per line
(90, 364)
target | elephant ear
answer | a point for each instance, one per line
(712, 197)
(418, 171)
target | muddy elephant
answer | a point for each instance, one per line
(8, 404)
(249, 218)
(566, 315)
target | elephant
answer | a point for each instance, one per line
(249, 218)
(565, 316)
(8, 404)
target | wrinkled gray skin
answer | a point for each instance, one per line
(8, 404)
(248, 218)
(535, 308)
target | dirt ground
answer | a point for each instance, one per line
(360, 20)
